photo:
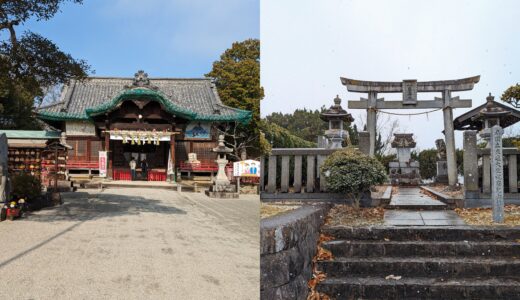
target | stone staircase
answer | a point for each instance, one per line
(433, 263)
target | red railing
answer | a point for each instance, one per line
(78, 164)
(199, 167)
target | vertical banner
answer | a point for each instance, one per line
(102, 164)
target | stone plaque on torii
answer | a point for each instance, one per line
(410, 89)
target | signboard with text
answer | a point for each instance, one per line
(246, 168)
(102, 164)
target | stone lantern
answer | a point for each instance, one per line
(336, 116)
(222, 187)
(490, 116)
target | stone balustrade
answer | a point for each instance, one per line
(294, 171)
(477, 171)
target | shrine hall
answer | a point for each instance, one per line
(170, 123)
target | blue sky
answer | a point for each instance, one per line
(166, 38)
(307, 45)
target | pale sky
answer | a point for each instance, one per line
(308, 44)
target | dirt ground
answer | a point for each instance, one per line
(484, 216)
(134, 244)
(270, 209)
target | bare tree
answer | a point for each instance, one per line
(386, 126)
(236, 139)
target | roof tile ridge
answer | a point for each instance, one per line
(68, 95)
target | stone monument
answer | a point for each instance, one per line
(336, 116)
(497, 174)
(222, 187)
(442, 164)
(404, 171)
(4, 175)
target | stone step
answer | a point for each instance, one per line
(418, 206)
(421, 267)
(420, 288)
(426, 233)
(356, 248)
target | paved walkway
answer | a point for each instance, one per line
(422, 218)
(412, 208)
(412, 198)
(134, 243)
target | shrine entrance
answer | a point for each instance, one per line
(409, 89)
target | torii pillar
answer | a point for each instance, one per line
(409, 89)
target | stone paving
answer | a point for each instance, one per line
(412, 208)
(413, 198)
(422, 218)
(134, 243)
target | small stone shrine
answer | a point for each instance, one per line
(336, 116)
(222, 187)
(404, 171)
(442, 164)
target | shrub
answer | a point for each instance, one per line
(26, 186)
(352, 172)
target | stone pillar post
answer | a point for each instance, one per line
(371, 121)
(450, 138)
(513, 177)
(497, 174)
(471, 189)
(364, 142)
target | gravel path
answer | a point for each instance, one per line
(134, 244)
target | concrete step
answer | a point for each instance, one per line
(356, 248)
(420, 288)
(424, 233)
(441, 267)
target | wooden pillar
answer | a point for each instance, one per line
(172, 155)
(449, 135)
(371, 121)
(109, 156)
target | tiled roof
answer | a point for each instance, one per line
(196, 97)
(31, 134)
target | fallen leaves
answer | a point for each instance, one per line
(393, 277)
(269, 210)
(323, 254)
(484, 216)
(347, 215)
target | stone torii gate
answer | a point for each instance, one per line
(409, 89)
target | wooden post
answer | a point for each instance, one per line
(172, 155)
(107, 149)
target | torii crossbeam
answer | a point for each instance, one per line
(409, 89)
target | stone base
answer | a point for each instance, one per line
(222, 195)
(441, 179)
